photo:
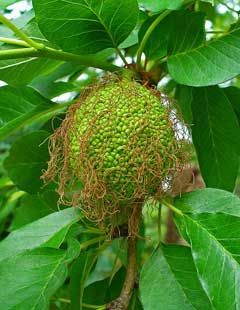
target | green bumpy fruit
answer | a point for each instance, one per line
(123, 132)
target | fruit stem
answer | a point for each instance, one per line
(122, 56)
(123, 301)
(159, 222)
(90, 242)
(147, 35)
(171, 207)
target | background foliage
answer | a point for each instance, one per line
(51, 257)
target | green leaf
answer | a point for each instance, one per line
(34, 207)
(178, 32)
(18, 106)
(216, 137)
(83, 26)
(169, 278)
(212, 63)
(30, 278)
(78, 277)
(44, 232)
(27, 159)
(211, 224)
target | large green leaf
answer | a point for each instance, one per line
(211, 224)
(49, 231)
(216, 137)
(27, 159)
(30, 278)
(209, 201)
(210, 64)
(169, 278)
(18, 106)
(84, 26)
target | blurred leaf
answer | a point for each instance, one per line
(178, 32)
(216, 137)
(158, 6)
(78, 276)
(34, 207)
(18, 106)
(6, 3)
(89, 26)
(169, 278)
(20, 22)
(9, 205)
(184, 99)
(209, 64)
(46, 271)
(27, 159)
(211, 223)
(45, 232)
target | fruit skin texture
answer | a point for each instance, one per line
(119, 141)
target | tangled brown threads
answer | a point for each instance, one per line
(117, 146)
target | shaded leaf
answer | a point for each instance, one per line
(18, 106)
(44, 232)
(216, 137)
(78, 276)
(212, 63)
(233, 94)
(27, 159)
(178, 32)
(169, 278)
(34, 207)
(184, 99)
(84, 26)
(22, 71)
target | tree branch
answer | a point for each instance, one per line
(19, 33)
(47, 52)
(147, 35)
